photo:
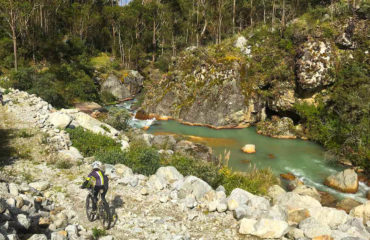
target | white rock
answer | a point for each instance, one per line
(264, 228)
(237, 198)
(362, 211)
(124, 145)
(190, 201)
(60, 120)
(24, 221)
(40, 185)
(13, 189)
(249, 148)
(156, 182)
(72, 154)
(72, 230)
(221, 207)
(329, 216)
(275, 191)
(38, 237)
(291, 201)
(109, 237)
(312, 228)
(170, 174)
(195, 186)
(94, 125)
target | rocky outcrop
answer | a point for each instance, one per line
(314, 65)
(345, 181)
(208, 94)
(127, 87)
(344, 40)
(277, 128)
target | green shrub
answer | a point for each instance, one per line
(111, 157)
(107, 98)
(140, 158)
(189, 166)
(64, 164)
(89, 143)
(97, 233)
(118, 118)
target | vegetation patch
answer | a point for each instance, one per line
(89, 143)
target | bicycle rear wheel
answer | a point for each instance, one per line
(89, 210)
(105, 216)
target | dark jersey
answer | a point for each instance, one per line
(98, 177)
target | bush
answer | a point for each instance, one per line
(189, 166)
(107, 97)
(256, 181)
(90, 144)
(140, 158)
(118, 118)
(111, 157)
(97, 233)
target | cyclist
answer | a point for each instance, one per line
(98, 181)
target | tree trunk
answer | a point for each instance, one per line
(234, 12)
(251, 16)
(154, 41)
(14, 37)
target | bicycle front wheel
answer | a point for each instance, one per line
(89, 209)
(105, 216)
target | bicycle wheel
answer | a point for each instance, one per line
(89, 210)
(104, 215)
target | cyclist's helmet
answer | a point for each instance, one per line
(96, 165)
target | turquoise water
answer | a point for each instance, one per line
(304, 159)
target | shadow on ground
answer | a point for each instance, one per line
(117, 202)
(6, 151)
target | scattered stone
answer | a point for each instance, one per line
(170, 174)
(345, 181)
(144, 191)
(61, 235)
(38, 237)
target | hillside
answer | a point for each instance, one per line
(311, 80)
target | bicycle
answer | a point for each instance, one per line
(102, 211)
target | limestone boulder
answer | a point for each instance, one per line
(312, 228)
(329, 216)
(344, 181)
(40, 185)
(170, 174)
(94, 125)
(38, 237)
(157, 182)
(164, 142)
(362, 211)
(249, 148)
(238, 197)
(195, 186)
(292, 201)
(263, 228)
(60, 120)
(196, 150)
(308, 191)
(275, 191)
(72, 154)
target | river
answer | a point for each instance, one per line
(305, 159)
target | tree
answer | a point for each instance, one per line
(17, 14)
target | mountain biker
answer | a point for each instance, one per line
(98, 181)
